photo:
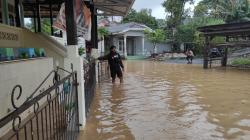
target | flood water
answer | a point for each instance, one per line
(160, 101)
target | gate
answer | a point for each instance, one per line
(89, 84)
(51, 115)
(103, 70)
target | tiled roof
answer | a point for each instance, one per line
(126, 27)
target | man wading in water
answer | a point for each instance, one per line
(115, 64)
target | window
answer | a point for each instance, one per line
(121, 45)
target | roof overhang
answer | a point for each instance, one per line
(104, 7)
(30, 5)
(232, 29)
(113, 7)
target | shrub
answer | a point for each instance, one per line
(241, 61)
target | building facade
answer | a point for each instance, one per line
(130, 40)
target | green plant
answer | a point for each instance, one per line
(102, 32)
(144, 16)
(241, 61)
(157, 36)
(81, 51)
(37, 52)
(24, 55)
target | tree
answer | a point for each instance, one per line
(187, 33)
(228, 10)
(102, 33)
(162, 23)
(176, 14)
(201, 10)
(175, 11)
(144, 16)
(157, 36)
(45, 25)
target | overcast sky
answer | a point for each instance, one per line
(156, 5)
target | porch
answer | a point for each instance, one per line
(130, 45)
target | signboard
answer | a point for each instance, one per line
(83, 20)
(9, 37)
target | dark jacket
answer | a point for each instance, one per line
(114, 59)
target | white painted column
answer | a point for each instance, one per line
(77, 61)
(103, 47)
(143, 46)
(125, 46)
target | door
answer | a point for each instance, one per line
(120, 46)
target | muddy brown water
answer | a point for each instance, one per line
(160, 101)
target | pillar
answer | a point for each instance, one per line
(38, 16)
(21, 13)
(94, 29)
(34, 20)
(5, 12)
(77, 61)
(103, 46)
(125, 46)
(51, 17)
(71, 28)
(225, 57)
(74, 58)
(143, 46)
(206, 51)
(17, 13)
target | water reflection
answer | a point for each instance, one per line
(160, 101)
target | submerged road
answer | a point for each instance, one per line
(160, 101)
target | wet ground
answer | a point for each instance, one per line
(160, 101)
(184, 61)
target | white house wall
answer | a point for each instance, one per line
(134, 33)
(138, 36)
(163, 47)
(138, 44)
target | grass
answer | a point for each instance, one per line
(241, 61)
(136, 57)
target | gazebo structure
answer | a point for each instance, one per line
(236, 35)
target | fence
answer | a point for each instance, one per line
(89, 84)
(52, 114)
(103, 70)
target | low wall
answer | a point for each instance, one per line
(27, 73)
(12, 37)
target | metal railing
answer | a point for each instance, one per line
(89, 84)
(103, 70)
(52, 114)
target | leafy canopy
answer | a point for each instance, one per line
(102, 32)
(157, 36)
(144, 16)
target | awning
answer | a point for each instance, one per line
(30, 5)
(113, 7)
(230, 29)
(104, 7)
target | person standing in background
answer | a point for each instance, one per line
(115, 64)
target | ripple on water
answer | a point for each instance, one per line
(159, 101)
